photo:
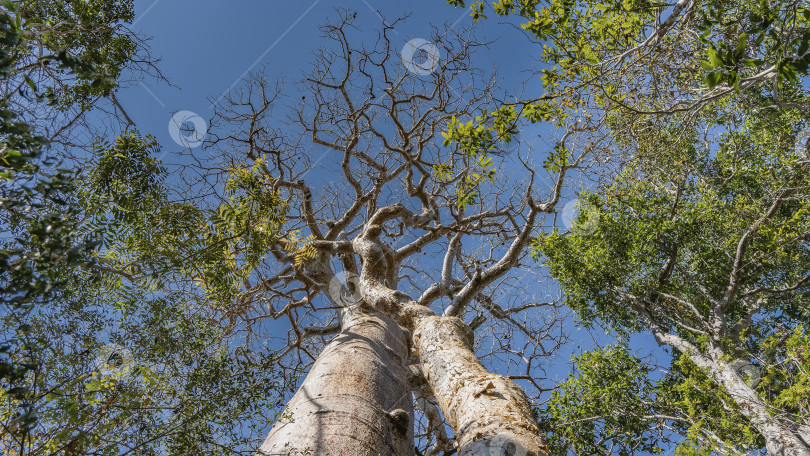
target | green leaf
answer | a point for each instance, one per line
(712, 79)
(31, 84)
(714, 57)
(742, 41)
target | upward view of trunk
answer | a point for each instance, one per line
(490, 413)
(782, 438)
(356, 400)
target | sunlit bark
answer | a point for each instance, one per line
(356, 400)
(488, 412)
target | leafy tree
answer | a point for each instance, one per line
(91, 34)
(133, 359)
(645, 55)
(702, 241)
(609, 406)
(104, 351)
(654, 81)
(38, 241)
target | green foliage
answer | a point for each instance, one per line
(254, 211)
(172, 389)
(710, 418)
(40, 233)
(609, 407)
(609, 50)
(477, 140)
(694, 201)
(126, 179)
(611, 404)
(102, 255)
(539, 112)
(148, 234)
(129, 291)
(785, 373)
(89, 35)
(558, 159)
(670, 225)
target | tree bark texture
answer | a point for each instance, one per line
(782, 438)
(490, 413)
(356, 400)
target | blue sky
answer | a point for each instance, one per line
(206, 49)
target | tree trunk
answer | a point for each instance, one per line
(356, 400)
(780, 439)
(490, 413)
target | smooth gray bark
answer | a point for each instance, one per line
(356, 400)
(781, 437)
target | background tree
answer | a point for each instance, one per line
(609, 405)
(657, 76)
(106, 346)
(658, 58)
(104, 55)
(30, 258)
(702, 241)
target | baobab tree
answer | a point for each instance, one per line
(405, 253)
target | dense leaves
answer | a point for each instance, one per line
(608, 406)
(698, 229)
(40, 232)
(90, 35)
(610, 49)
(107, 346)
(703, 236)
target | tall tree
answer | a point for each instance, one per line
(354, 245)
(40, 235)
(702, 241)
(657, 76)
(658, 58)
(106, 347)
